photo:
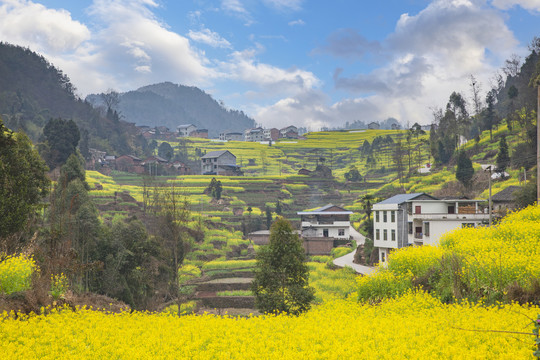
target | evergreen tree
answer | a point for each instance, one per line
(278, 208)
(503, 158)
(23, 184)
(281, 276)
(268, 217)
(465, 171)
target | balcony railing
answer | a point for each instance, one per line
(418, 235)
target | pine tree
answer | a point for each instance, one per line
(465, 171)
(281, 276)
(503, 158)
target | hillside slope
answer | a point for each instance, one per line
(171, 105)
(32, 91)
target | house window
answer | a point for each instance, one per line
(410, 227)
(377, 234)
(341, 232)
(393, 213)
(451, 209)
(385, 234)
(385, 216)
(215, 166)
(426, 228)
(377, 216)
(418, 209)
(383, 256)
(393, 235)
(325, 233)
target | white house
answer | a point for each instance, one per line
(221, 162)
(185, 130)
(420, 219)
(320, 228)
(231, 136)
(255, 134)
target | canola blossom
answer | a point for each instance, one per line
(487, 260)
(16, 273)
(415, 326)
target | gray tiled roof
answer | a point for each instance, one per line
(400, 198)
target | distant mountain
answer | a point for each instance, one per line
(171, 105)
(32, 91)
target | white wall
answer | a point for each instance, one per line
(388, 226)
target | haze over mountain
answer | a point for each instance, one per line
(171, 105)
(33, 91)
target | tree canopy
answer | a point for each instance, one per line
(23, 181)
(281, 276)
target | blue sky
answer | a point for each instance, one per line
(308, 63)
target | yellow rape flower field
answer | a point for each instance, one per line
(406, 323)
(414, 326)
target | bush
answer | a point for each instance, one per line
(16, 273)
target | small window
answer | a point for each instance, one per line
(385, 234)
(418, 209)
(426, 228)
(377, 234)
(410, 228)
(393, 235)
(341, 232)
(383, 256)
(385, 219)
(377, 216)
(393, 213)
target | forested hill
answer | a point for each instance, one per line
(171, 105)
(32, 91)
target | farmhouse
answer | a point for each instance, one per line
(255, 134)
(324, 228)
(221, 162)
(129, 163)
(185, 130)
(231, 136)
(374, 126)
(420, 219)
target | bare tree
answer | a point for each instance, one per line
(476, 87)
(512, 66)
(111, 98)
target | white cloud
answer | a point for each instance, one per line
(293, 5)
(243, 66)
(29, 24)
(208, 37)
(236, 8)
(297, 22)
(533, 5)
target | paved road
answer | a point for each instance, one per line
(347, 260)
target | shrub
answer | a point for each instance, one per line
(16, 273)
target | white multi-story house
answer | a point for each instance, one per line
(185, 130)
(420, 219)
(255, 134)
(230, 136)
(321, 227)
(221, 162)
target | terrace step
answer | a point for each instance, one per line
(237, 283)
(223, 302)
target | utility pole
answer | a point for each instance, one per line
(538, 150)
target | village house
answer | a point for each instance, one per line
(289, 132)
(504, 201)
(271, 134)
(420, 219)
(231, 136)
(324, 228)
(221, 162)
(185, 130)
(374, 126)
(199, 133)
(255, 134)
(129, 163)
